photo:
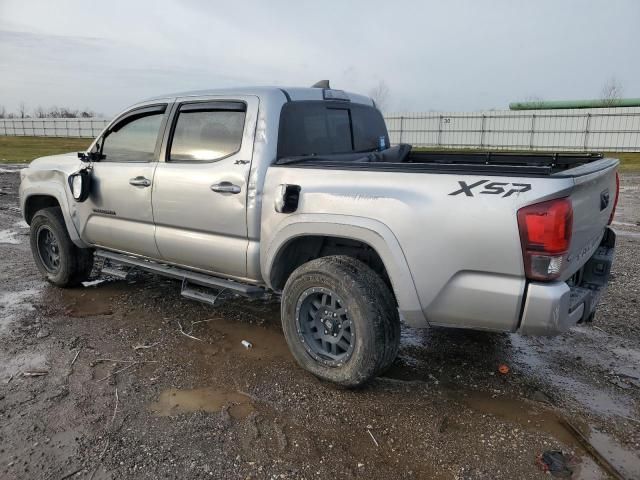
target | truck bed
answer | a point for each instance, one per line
(457, 226)
(489, 163)
(541, 163)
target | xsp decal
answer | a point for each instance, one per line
(504, 189)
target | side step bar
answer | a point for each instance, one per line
(180, 274)
(115, 272)
(202, 294)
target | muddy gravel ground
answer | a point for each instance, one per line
(125, 379)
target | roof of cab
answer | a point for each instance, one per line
(288, 93)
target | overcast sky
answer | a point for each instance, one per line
(433, 55)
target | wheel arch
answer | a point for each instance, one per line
(303, 239)
(44, 196)
(34, 203)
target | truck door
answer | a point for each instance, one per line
(117, 215)
(200, 186)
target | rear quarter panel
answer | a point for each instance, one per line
(463, 250)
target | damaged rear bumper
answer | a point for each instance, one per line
(552, 308)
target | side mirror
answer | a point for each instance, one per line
(80, 184)
(91, 156)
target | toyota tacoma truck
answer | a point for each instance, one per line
(298, 192)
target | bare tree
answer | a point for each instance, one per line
(380, 94)
(22, 110)
(611, 91)
(64, 112)
(51, 112)
(40, 112)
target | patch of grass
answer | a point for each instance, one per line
(629, 161)
(25, 149)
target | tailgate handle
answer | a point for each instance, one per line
(604, 199)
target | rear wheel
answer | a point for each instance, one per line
(58, 259)
(340, 320)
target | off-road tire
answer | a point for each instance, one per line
(75, 264)
(372, 310)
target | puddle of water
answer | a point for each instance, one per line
(535, 418)
(88, 302)
(588, 469)
(265, 342)
(588, 395)
(14, 303)
(624, 233)
(625, 461)
(21, 224)
(93, 283)
(9, 237)
(210, 400)
(529, 416)
(14, 364)
(626, 224)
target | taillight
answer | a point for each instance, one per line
(615, 202)
(545, 235)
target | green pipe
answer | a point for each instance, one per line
(554, 104)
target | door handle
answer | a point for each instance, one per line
(225, 187)
(140, 182)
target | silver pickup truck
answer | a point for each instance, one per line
(297, 191)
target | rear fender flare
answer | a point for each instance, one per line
(372, 232)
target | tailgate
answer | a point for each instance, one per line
(593, 198)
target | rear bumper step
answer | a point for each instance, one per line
(179, 274)
(552, 308)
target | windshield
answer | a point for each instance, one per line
(329, 127)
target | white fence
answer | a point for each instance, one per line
(601, 129)
(52, 127)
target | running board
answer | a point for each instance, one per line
(182, 275)
(202, 294)
(115, 272)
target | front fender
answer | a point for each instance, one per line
(53, 186)
(372, 232)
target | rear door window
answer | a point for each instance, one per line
(207, 132)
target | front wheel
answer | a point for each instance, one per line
(58, 259)
(340, 320)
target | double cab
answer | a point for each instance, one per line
(298, 192)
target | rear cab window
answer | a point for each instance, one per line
(329, 127)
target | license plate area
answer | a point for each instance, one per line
(587, 284)
(595, 273)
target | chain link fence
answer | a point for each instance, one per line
(602, 129)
